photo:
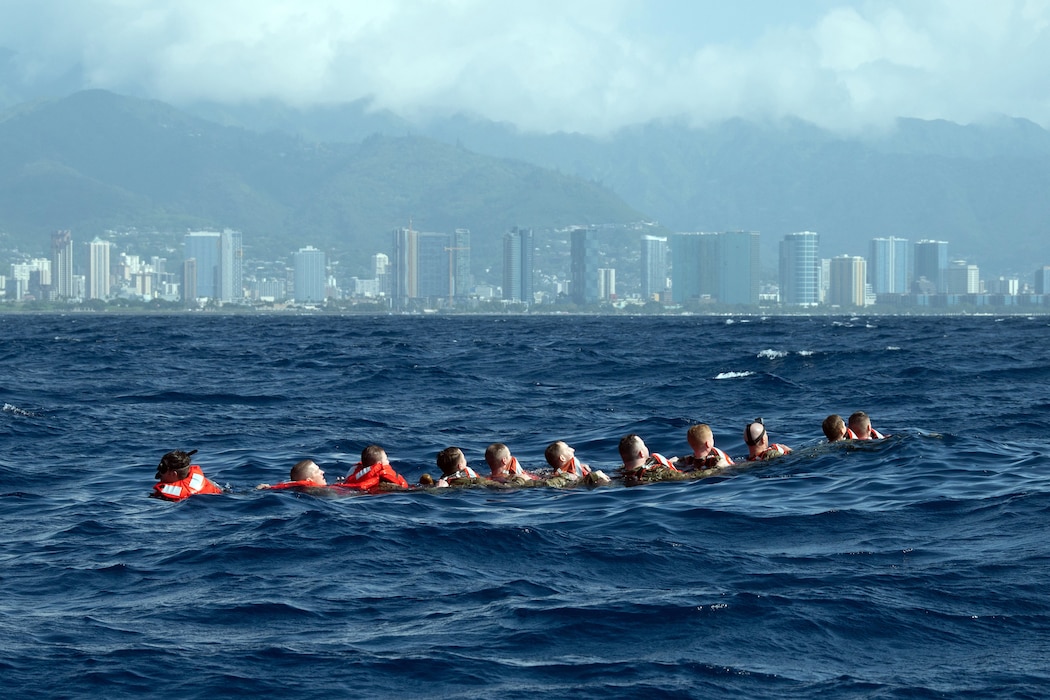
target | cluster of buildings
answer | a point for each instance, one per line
(430, 270)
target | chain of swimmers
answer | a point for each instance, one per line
(179, 478)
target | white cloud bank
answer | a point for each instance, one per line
(577, 65)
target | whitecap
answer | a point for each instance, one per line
(732, 375)
(805, 353)
(8, 408)
(893, 347)
(772, 354)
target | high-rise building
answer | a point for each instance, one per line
(310, 275)
(962, 278)
(435, 266)
(517, 265)
(889, 265)
(381, 267)
(189, 282)
(800, 269)
(62, 264)
(421, 266)
(696, 260)
(738, 268)
(204, 247)
(606, 283)
(403, 267)
(585, 261)
(98, 269)
(461, 262)
(231, 266)
(1042, 280)
(848, 280)
(931, 263)
(654, 266)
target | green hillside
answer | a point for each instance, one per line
(96, 160)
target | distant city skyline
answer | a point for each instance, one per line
(720, 268)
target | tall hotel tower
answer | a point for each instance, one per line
(62, 264)
(800, 269)
(310, 275)
(889, 265)
(218, 263)
(98, 269)
(231, 266)
(694, 266)
(738, 267)
(202, 247)
(931, 262)
(517, 265)
(848, 279)
(422, 266)
(654, 266)
(585, 260)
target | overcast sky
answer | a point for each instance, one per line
(576, 65)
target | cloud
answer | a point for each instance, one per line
(577, 65)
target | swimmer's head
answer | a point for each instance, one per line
(174, 461)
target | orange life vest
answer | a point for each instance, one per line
(652, 462)
(305, 483)
(514, 469)
(194, 483)
(575, 468)
(776, 448)
(364, 478)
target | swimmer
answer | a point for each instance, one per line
(504, 465)
(860, 424)
(638, 461)
(372, 471)
(305, 474)
(179, 479)
(758, 443)
(453, 465)
(705, 454)
(568, 469)
(835, 429)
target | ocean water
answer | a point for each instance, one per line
(916, 566)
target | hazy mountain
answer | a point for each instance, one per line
(980, 187)
(96, 160)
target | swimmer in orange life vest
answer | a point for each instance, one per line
(453, 465)
(758, 443)
(835, 429)
(860, 424)
(305, 474)
(638, 460)
(505, 466)
(566, 467)
(372, 471)
(179, 479)
(705, 454)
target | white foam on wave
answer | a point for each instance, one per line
(8, 408)
(772, 354)
(893, 347)
(805, 353)
(732, 375)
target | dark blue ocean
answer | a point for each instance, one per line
(917, 566)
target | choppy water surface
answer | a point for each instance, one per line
(916, 566)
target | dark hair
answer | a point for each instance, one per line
(175, 460)
(447, 458)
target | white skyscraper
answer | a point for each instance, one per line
(310, 275)
(98, 269)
